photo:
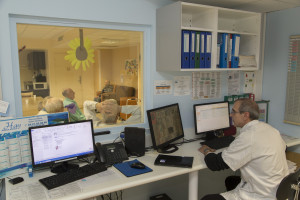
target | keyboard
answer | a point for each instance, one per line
(219, 143)
(72, 175)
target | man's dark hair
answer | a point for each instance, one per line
(248, 105)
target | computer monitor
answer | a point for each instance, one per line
(211, 118)
(60, 143)
(165, 127)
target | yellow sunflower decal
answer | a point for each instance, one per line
(81, 52)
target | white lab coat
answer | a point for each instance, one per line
(259, 152)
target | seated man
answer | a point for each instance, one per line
(258, 152)
(52, 105)
(107, 88)
(75, 113)
(109, 110)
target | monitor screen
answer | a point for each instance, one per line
(165, 126)
(211, 117)
(61, 142)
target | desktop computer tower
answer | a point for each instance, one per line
(135, 141)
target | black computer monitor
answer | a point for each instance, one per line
(211, 118)
(165, 127)
(60, 143)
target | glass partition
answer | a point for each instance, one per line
(97, 73)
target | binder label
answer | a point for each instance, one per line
(193, 43)
(237, 47)
(202, 43)
(226, 40)
(208, 43)
(186, 43)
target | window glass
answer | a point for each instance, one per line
(97, 73)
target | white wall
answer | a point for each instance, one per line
(279, 26)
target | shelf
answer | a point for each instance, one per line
(178, 16)
(197, 29)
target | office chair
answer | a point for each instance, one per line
(289, 187)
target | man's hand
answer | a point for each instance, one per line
(206, 149)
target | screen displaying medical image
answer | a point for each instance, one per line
(165, 124)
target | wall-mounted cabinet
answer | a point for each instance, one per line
(174, 18)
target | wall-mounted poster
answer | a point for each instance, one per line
(14, 139)
(131, 67)
(263, 110)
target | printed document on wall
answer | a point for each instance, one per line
(233, 78)
(162, 87)
(249, 81)
(206, 85)
(182, 85)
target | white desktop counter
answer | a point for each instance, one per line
(111, 180)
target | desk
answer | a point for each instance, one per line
(290, 141)
(121, 182)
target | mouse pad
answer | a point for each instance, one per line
(129, 171)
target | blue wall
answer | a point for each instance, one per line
(279, 26)
(134, 12)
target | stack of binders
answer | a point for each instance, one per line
(228, 50)
(196, 49)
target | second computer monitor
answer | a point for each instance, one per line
(211, 117)
(165, 127)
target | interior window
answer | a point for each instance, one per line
(102, 67)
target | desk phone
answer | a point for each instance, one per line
(111, 153)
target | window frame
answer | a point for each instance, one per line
(146, 29)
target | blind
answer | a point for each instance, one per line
(292, 105)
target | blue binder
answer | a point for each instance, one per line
(223, 50)
(208, 39)
(197, 50)
(202, 49)
(235, 50)
(185, 49)
(192, 48)
(229, 50)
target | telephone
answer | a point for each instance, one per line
(110, 153)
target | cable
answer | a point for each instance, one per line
(115, 139)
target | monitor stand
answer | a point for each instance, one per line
(63, 167)
(212, 135)
(168, 149)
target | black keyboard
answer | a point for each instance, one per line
(72, 175)
(219, 143)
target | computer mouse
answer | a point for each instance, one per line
(138, 165)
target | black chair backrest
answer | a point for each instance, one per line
(284, 190)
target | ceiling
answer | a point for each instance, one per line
(261, 6)
(59, 37)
